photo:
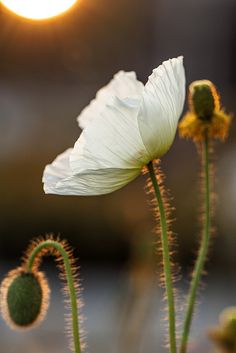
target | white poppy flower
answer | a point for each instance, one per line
(125, 127)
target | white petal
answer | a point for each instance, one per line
(112, 140)
(58, 170)
(95, 182)
(162, 105)
(123, 84)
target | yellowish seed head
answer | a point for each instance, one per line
(204, 115)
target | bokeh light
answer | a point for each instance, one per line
(38, 9)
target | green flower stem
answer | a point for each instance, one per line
(166, 259)
(199, 266)
(69, 277)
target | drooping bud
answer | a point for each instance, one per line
(24, 298)
(203, 98)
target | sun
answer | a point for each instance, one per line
(38, 9)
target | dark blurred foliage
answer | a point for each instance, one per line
(50, 70)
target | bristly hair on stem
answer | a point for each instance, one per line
(205, 150)
(165, 245)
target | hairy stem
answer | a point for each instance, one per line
(166, 259)
(69, 277)
(201, 259)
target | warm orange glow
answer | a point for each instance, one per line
(38, 9)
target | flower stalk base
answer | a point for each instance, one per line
(166, 257)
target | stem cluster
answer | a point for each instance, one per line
(200, 261)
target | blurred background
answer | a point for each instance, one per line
(49, 71)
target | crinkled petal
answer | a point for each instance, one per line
(112, 140)
(59, 169)
(161, 107)
(123, 84)
(95, 182)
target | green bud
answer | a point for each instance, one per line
(203, 99)
(228, 321)
(224, 336)
(24, 298)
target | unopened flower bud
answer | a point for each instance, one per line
(24, 298)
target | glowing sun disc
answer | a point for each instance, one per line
(38, 9)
